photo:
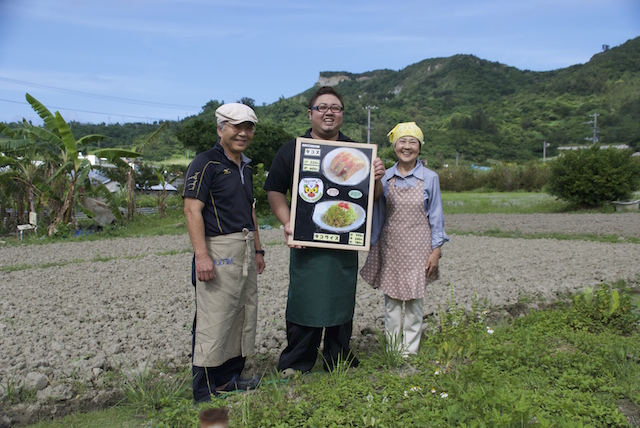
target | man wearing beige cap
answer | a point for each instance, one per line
(222, 226)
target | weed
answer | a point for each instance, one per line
(14, 393)
(604, 309)
(460, 332)
(391, 350)
(148, 389)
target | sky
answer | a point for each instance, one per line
(119, 61)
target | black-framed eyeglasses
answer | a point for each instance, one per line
(322, 108)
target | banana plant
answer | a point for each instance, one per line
(71, 172)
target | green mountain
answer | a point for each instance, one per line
(465, 105)
(486, 110)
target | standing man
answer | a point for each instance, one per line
(222, 226)
(322, 282)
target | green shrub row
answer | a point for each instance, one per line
(530, 177)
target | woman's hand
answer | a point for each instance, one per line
(378, 169)
(432, 261)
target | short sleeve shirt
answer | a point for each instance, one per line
(225, 188)
(280, 178)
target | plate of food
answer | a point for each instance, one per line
(338, 216)
(347, 166)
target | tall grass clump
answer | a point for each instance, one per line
(152, 389)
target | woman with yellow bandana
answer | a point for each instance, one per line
(407, 236)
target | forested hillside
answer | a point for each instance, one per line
(486, 110)
(479, 109)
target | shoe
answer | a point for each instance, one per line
(240, 384)
(289, 373)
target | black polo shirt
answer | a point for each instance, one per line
(280, 178)
(225, 189)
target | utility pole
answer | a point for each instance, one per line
(369, 128)
(593, 139)
(544, 151)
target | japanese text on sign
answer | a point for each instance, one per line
(326, 237)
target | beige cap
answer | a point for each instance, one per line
(235, 113)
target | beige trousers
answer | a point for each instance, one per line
(405, 335)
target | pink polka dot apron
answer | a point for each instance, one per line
(397, 263)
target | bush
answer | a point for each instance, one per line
(259, 194)
(462, 179)
(591, 177)
(501, 178)
(510, 177)
(604, 309)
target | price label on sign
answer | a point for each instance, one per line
(356, 238)
(311, 152)
(326, 237)
(310, 165)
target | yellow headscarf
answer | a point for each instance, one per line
(405, 129)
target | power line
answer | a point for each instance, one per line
(97, 96)
(89, 111)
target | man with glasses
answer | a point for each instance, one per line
(222, 226)
(322, 282)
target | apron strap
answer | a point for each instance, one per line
(247, 252)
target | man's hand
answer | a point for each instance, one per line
(204, 268)
(260, 264)
(288, 234)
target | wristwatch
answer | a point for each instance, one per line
(260, 252)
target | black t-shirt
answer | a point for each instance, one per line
(280, 178)
(225, 189)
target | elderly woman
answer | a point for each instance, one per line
(407, 236)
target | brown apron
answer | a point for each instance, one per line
(397, 263)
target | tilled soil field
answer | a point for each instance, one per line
(72, 313)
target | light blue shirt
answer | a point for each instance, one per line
(430, 194)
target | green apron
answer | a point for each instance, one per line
(322, 287)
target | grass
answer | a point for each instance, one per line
(116, 417)
(498, 233)
(150, 389)
(572, 365)
(556, 367)
(501, 203)
(453, 203)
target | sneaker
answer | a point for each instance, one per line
(241, 384)
(289, 373)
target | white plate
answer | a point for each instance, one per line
(322, 208)
(355, 178)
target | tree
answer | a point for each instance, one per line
(201, 135)
(68, 172)
(591, 177)
(198, 135)
(267, 140)
(248, 101)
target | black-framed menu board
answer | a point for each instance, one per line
(332, 198)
